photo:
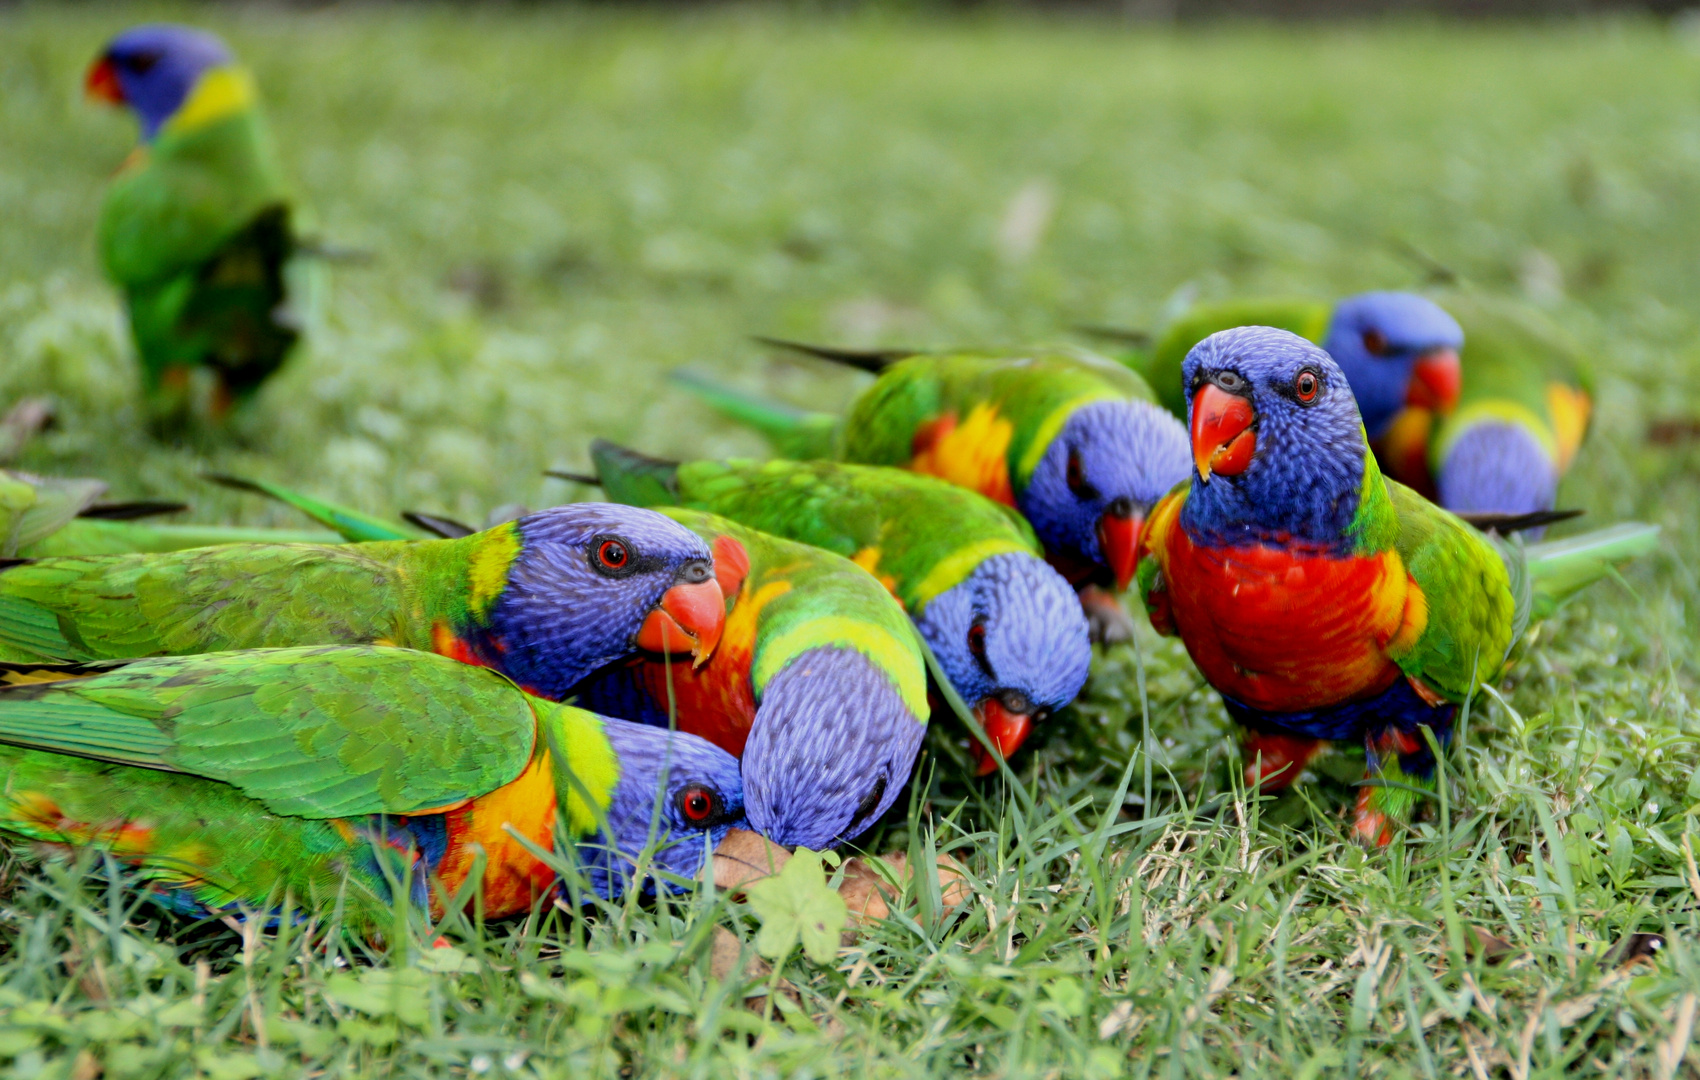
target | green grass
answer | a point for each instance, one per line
(566, 203)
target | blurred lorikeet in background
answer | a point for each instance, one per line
(336, 775)
(1006, 628)
(1321, 600)
(818, 685)
(1492, 434)
(1072, 440)
(544, 600)
(196, 227)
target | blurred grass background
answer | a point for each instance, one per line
(567, 202)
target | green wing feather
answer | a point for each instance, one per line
(794, 432)
(918, 534)
(1161, 366)
(315, 732)
(243, 596)
(1476, 590)
(352, 525)
(93, 536)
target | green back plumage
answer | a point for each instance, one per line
(1032, 393)
(1161, 366)
(94, 536)
(918, 535)
(797, 597)
(238, 596)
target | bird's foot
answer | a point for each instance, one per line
(1274, 761)
(1107, 622)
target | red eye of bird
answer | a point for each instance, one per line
(1305, 386)
(613, 554)
(698, 804)
(1375, 343)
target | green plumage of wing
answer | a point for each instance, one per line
(1161, 366)
(917, 534)
(352, 525)
(1031, 391)
(243, 596)
(92, 536)
(633, 478)
(1477, 604)
(798, 597)
(318, 732)
(795, 433)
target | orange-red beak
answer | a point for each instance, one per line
(101, 83)
(1436, 381)
(1006, 730)
(690, 615)
(1118, 537)
(1223, 438)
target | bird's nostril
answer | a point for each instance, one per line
(1121, 508)
(695, 572)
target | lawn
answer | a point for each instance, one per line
(565, 203)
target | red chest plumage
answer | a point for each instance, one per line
(1282, 629)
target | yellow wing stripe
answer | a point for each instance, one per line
(899, 658)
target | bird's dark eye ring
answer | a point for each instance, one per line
(1375, 343)
(1306, 385)
(700, 805)
(612, 555)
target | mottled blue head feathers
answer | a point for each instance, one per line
(1013, 630)
(589, 584)
(1497, 467)
(693, 784)
(154, 68)
(1395, 349)
(1097, 481)
(1276, 441)
(831, 746)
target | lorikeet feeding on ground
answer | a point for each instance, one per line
(818, 685)
(1070, 439)
(329, 775)
(196, 226)
(1490, 435)
(1321, 600)
(1006, 628)
(545, 600)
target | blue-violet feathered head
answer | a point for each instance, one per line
(1276, 441)
(153, 69)
(1088, 496)
(1396, 349)
(589, 584)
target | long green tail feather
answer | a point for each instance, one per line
(1558, 569)
(352, 525)
(633, 478)
(794, 433)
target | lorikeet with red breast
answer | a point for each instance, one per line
(1321, 600)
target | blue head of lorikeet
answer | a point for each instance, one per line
(1011, 637)
(1277, 442)
(695, 786)
(1088, 496)
(1498, 467)
(818, 769)
(621, 562)
(1396, 349)
(153, 69)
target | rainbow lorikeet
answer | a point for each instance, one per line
(818, 685)
(1321, 600)
(544, 600)
(196, 226)
(1006, 628)
(331, 775)
(1070, 439)
(1492, 435)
